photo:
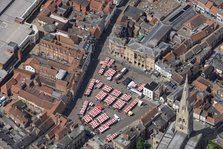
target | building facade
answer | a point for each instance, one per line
(149, 90)
(58, 51)
(134, 53)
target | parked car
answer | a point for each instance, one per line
(118, 76)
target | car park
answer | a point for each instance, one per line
(116, 99)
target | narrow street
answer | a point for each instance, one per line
(99, 49)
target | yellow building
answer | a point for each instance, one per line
(134, 53)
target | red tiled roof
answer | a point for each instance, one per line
(209, 4)
(216, 119)
(181, 49)
(147, 117)
(46, 89)
(96, 5)
(214, 10)
(8, 84)
(219, 107)
(177, 77)
(169, 57)
(96, 32)
(24, 73)
(15, 89)
(107, 8)
(39, 68)
(199, 36)
(195, 21)
(31, 61)
(200, 85)
(17, 115)
(43, 103)
(197, 111)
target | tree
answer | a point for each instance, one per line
(212, 145)
(140, 144)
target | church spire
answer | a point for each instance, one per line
(184, 119)
(186, 94)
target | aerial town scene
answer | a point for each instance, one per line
(111, 74)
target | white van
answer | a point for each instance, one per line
(124, 70)
(117, 117)
(2, 98)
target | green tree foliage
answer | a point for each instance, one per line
(140, 144)
(212, 145)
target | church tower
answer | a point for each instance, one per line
(184, 115)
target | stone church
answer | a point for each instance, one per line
(180, 134)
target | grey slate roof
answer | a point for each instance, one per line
(66, 141)
(141, 48)
(217, 64)
(156, 35)
(133, 12)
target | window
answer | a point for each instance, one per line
(181, 127)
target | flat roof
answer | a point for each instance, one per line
(18, 7)
(4, 4)
(14, 32)
(152, 86)
(5, 53)
(133, 12)
(10, 30)
(3, 74)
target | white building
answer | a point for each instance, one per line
(197, 113)
(163, 69)
(30, 69)
(149, 90)
(220, 16)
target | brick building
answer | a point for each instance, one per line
(26, 86)
(61, 49)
